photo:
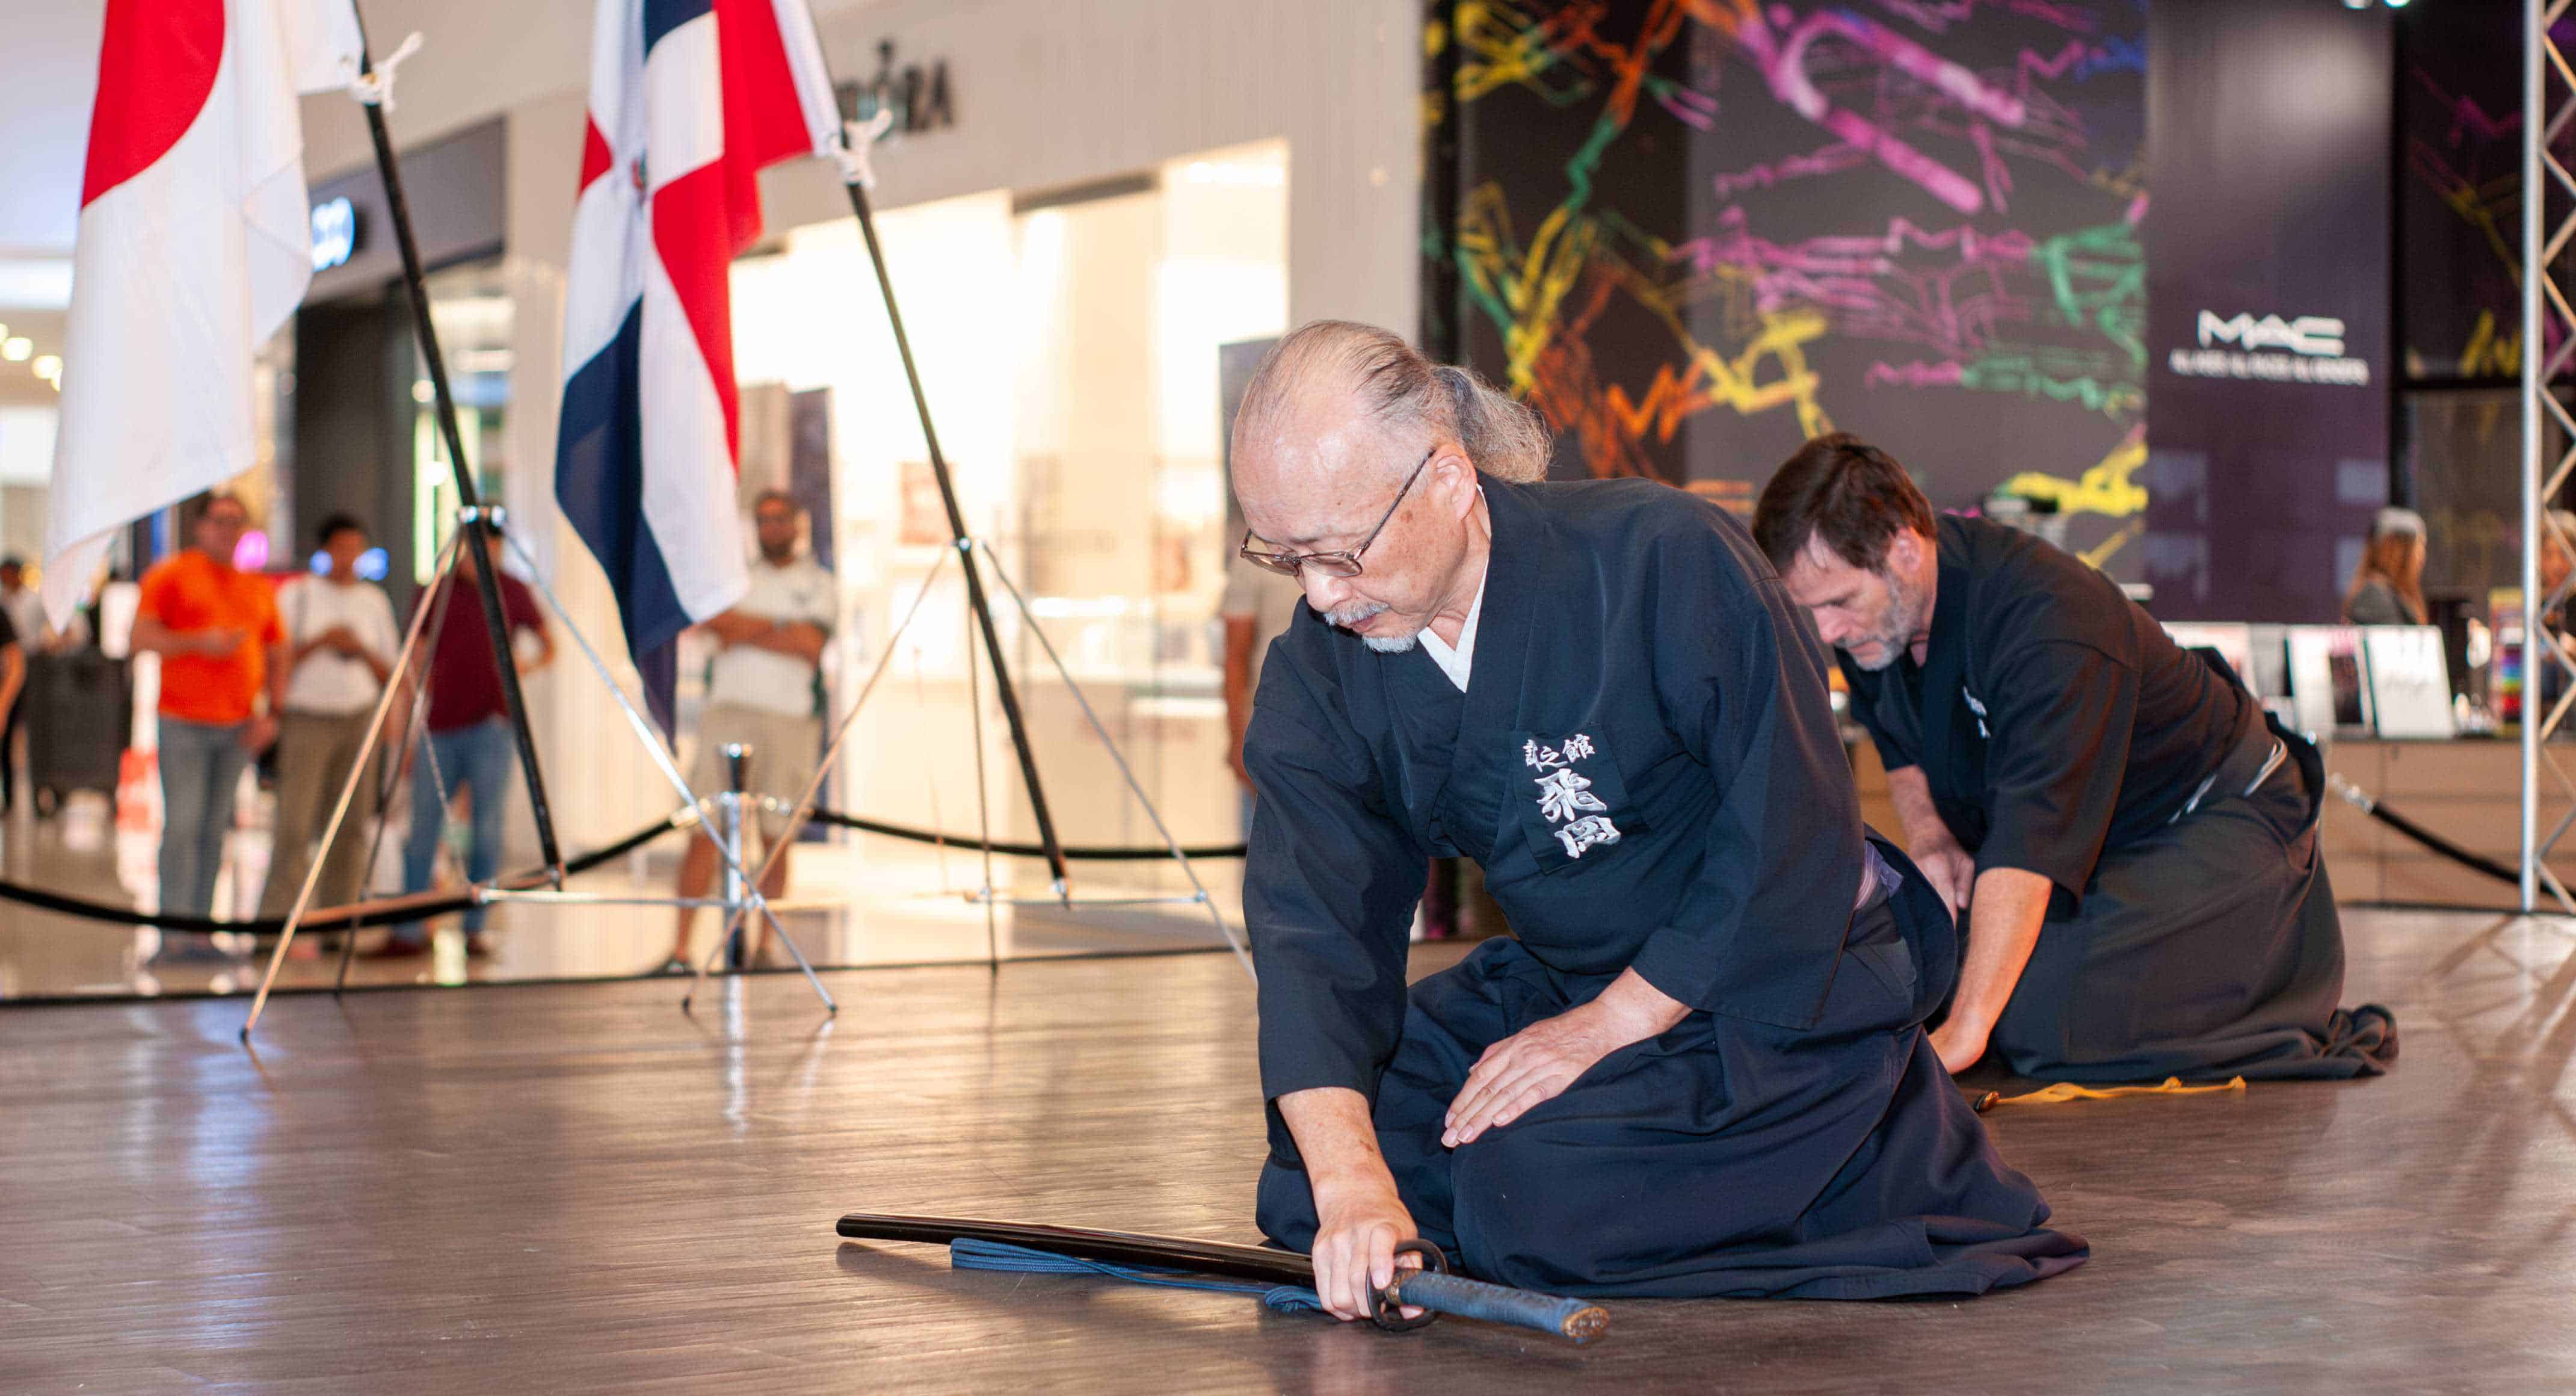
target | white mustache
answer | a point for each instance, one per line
(1352, 614)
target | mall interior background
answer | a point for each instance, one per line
(1647, 219)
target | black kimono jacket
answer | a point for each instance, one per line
(2053, 718)
(1645, 763)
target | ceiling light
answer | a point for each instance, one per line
(16, 349)
(36, 283)
(49, 367)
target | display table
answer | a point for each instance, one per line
(2467, 790)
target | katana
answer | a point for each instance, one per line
(1430, 1289)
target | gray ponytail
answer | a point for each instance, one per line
(1504, 438)
(1405, 394)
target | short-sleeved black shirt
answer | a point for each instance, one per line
(2053, 717)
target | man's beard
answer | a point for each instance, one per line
(778, 557)
(1903, 619)
(1353, 614)
(1889, 647)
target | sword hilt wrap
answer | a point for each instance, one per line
(1435, 1291)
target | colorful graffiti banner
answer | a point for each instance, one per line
(1694, 233)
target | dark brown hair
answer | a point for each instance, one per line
(1845, 491)
(204, 504)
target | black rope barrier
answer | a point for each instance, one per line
(2473, 861)
(1093, 854)
(329, 919)
(2369, 804)
(365, 914)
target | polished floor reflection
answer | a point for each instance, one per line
(573, 1187)
(861, 900)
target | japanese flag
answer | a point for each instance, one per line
(195, 245)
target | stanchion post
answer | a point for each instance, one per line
(737, 757)
(804, 806)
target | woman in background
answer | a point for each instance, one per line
(2388, 586)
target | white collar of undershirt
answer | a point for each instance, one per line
(1458, 660)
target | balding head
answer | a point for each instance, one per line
(1334, 382)
(1340, 416)
(1305, 439)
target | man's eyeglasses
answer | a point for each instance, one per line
(1332, 564)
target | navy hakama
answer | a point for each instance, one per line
(1645, 764)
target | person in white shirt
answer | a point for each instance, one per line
(764, 691)
(341, 640)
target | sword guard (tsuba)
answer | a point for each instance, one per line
(1385, 1304)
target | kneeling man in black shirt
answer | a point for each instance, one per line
(2133, 841)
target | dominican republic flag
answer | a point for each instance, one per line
(689, 99)
(195, 245)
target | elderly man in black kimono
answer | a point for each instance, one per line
(1699, 1068)
(2133, 840)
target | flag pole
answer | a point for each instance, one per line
(471, 513)
(964, 541)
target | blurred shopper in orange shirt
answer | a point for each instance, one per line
(217, 632)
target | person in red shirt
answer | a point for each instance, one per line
(469, 741)
(217, 632)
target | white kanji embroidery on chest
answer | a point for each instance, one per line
(1979, 709)
(1548, 758)
(1585, 832)
(1565, 797)
(1563, 794)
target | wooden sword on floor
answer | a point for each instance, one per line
(1430, 1289)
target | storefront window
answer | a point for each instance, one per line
(268, 487)
(26, 472)
(475, 316)
(1070, 352)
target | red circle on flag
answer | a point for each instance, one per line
(156, 65)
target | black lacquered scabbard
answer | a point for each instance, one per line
(1570, 1319)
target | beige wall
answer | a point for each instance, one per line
(1046, 93)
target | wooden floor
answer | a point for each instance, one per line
(573, 1187)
